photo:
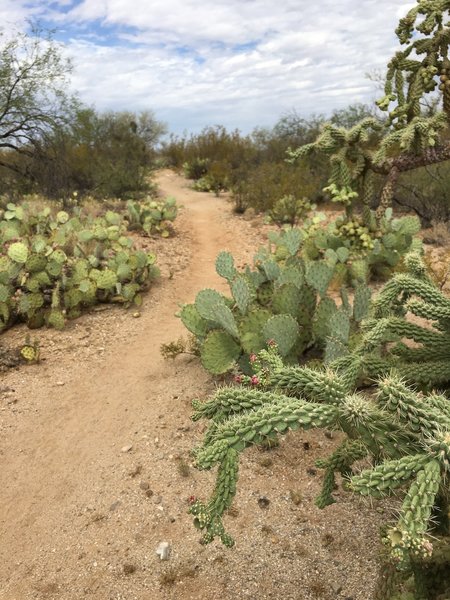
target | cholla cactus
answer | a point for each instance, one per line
(407, 435)
(409, 329)
(408, 139)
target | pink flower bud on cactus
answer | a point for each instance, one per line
(238, 378)
(253, 357)
(254, 380)
(271, 343)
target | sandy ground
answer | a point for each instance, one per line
(95, 469)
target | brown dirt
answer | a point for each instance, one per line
(95, 465)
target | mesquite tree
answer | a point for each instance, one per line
(409, 137)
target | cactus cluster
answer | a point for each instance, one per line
(358, 248)
(282, 301)
(152, 217)
(406, 433)
(52, 267)
(408, 329)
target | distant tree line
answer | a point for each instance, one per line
(50, 142)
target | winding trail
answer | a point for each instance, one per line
(95, 463)
(64, 453)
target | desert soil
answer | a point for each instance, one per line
(95, 465)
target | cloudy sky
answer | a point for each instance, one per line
(240, 63)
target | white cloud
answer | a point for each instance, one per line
(237, 62)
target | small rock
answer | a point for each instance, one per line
(126, 448)
(149, 493)
(60, 383)
(115, 505)
(263, 502)
(136, 315)
(306, 446)
(311, 471)
(144, 485)
(328, 434)
(163, 550)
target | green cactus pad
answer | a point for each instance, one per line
(291, 274)
(123, 272)
(225, 266)
(35, 263)
(242, 293)
(225, 318)
(106, 280)
(18, 252)
(251, 330)
(318, 276)
(192, 320)
(265, 293)
(323, 317)
(286, 300)
(219, 352)
(56, 319)
(284, 330)
(206, 302)
(361, 302)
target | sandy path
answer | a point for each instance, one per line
(53, 460)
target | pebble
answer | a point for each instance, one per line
(126, 448)
(144, 485)
(60, 383)
(163, 550)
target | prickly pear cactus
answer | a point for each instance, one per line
(281, 301)
(152, 217)
(52, 267)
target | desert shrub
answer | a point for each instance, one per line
(267, 183)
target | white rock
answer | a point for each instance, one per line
(126, 448)
(163, 550)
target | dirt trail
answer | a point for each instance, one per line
(56, 454)
(94, 446)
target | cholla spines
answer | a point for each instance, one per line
(388, 331)
(407, 433)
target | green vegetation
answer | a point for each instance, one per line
(53, 266)
(285, 301)
(406, 433)
(379, 364)
(152, 217)
(50, 143)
